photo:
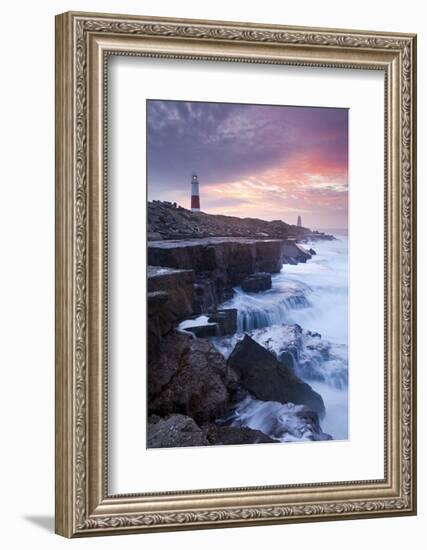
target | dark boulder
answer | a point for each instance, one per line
(164, 367)
(290, 260)
(227, 293)
(206, 330)
(289, 358)
(262, 374)
(169, 300)
(206, 294)
(170, 295)
(159, 322)
(226, 320)
(294, 253)
(174, 431)
(256, 282)
(189, 377)
(306, 353)
(221, 322)
(234, 435)
(269, 256)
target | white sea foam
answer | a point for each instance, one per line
(197, 322)
(281, 422)
(313, 295)
(326, 274)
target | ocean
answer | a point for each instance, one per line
(314, 296)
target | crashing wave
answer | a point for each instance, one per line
(284, 423)
(305, 352)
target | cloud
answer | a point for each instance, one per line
(277, 161)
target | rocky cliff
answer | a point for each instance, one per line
(268, 379)
(218, 263)
(169, 301)
(168, 221)
(195, 260)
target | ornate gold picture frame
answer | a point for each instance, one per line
(84, 42)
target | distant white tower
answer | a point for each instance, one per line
(299, 224)
(195, 198)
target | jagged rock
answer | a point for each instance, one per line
(227, 293)
(206, 292)
(312, 252)
(153, 236)
(256, 282)
(286, 342)
(233, 435)
(164, 366)
(262, 374)
(218, 263)
(189, 377)
(294, 253)
(205, 330)
(226, 320)
(178, 286)
(179, 223)
(219, 323)
(169, 300)
(268, 256)
(174, 431)
(159, 321)
(304, 352)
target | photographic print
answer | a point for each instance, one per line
(247, 278)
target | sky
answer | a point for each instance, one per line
(258, 161)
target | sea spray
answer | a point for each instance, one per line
(283, 422)
(314, 297)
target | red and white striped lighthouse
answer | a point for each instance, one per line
(195, 198)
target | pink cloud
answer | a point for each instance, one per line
(307, 184)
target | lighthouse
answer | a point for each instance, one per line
(195, 198)
(299, 224)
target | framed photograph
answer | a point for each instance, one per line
(235, 274)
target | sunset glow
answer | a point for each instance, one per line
(268, 162)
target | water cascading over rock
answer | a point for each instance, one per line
(262, 374)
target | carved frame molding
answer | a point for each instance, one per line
(83, 42)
